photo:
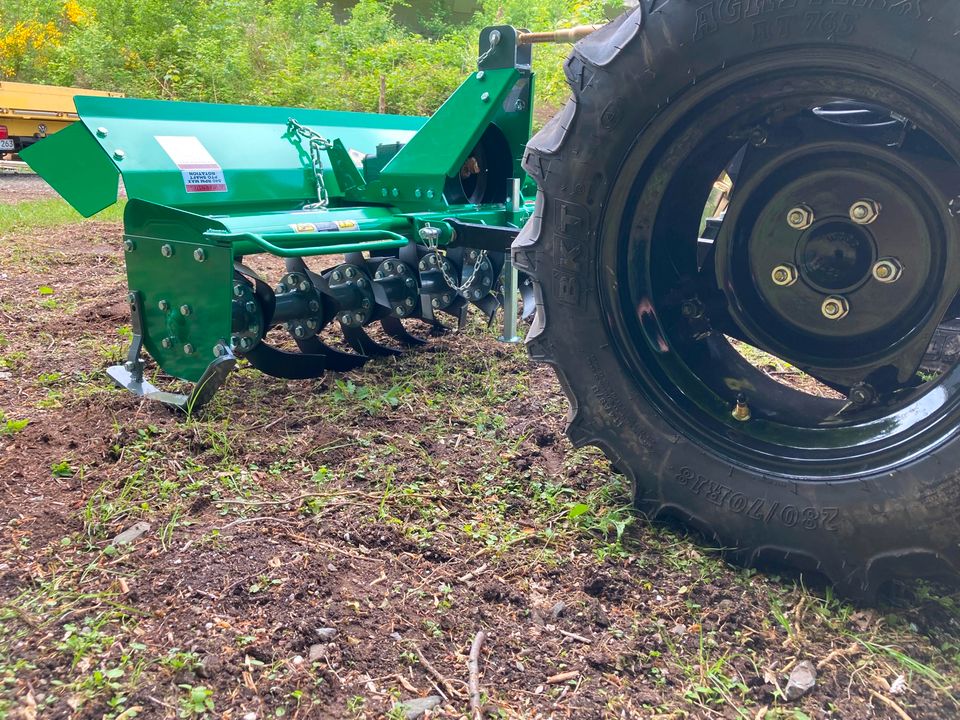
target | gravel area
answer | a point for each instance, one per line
(17, 187)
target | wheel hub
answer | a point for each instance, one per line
(836, 257)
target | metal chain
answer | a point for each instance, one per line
(460, 288)
(318, 145)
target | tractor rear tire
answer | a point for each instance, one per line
(642, 86)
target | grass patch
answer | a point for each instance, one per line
(33, 214)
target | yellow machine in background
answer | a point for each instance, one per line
(29, 113)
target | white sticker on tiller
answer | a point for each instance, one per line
(201, 173)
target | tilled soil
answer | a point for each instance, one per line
(327, 549)
(19, 187)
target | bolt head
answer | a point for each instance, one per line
(166, 343)
(304, 286)
(785, 275)
(246, 343)
(188, 349)
(801, 217)
(166, 250)
(102, 132)
(388, 266)
(422, 266)
(485, 97)
(399, 310)
(435, 303)
(358, 317)
(313, 325)
(163, 305)
(865, 212)
(411, 283)
(410, 302)
(314, 306)
(119, 154)
(300, 332)
(887, 270)
(129, 246)
(401, 269)
(365, 304)
(346, 319)
(281, 289)
(378, 275)
(185, 310)
(250, 307)
(430, 235)
(238, 290)
(336, 276)
(350, 272)
(835, 307)
(199, 254)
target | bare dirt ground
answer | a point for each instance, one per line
(330, 549)
(18, 187)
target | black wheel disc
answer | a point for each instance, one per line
(673, 316)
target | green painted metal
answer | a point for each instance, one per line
(89, 181)
(362, 241)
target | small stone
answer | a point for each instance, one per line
(297, 660)
(250, 716)
(415, 709)
(802, 680)
(898, 686)
(131, 533)
(327, 634)
(557, 610)
(210, 666)
(316, 652)
(396, 637)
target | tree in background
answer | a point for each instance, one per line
(281, 52)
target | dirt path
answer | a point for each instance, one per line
(325, 549)
(19, 187)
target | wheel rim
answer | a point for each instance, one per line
(671, 319)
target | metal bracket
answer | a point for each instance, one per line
(492, 238)
(510, 291)
(130, 374)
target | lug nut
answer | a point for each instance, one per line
(835, 307)
(801, 217)
(865, 212)
(887, 270)
(785, 275)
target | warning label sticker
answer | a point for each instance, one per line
(335, 226)
(201, 173)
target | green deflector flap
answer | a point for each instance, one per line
(74, 164)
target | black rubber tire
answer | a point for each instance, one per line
(627, 79)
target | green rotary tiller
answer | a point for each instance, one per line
(421, 211)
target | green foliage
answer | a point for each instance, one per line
(285, 52)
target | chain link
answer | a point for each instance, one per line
(318, 145)
(457, 287)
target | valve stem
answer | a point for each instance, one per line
(741, 413)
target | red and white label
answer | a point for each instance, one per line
(201, 173)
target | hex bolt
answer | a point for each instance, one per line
(200, 255)
(219, 350)
(281, 288)
(862, 394)
(358, 317)
(691, 309)
(119, 154)
(447, 299)
(365, 304)
(410, 302)
(238, 290)
(388, 266)
(336, 276)
(166, 343)
(246, 343)
(163, 305)
(865, 212)
(422, 266)
(345, 319)
(485, 97)
(399, 310)
(411, 283)
(378, 275)
(887, 270)
(313, 325)
(350, 272)
(166, 250)
(185, 310)
(300, 332)
(363, 282)
(435, 303)
(801, 217)
(188, 349)
(433, 259)
(401, 269)
(477, 294)
(304, 286)
(785, 275)
(250, 307)
(835, 307)
(102, 132)
(314, 306)
(129, 246)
